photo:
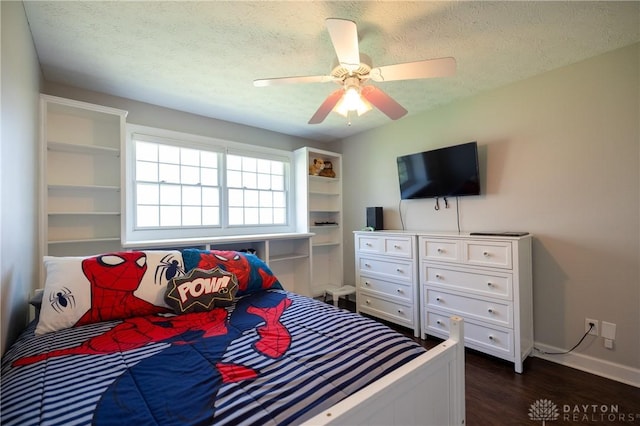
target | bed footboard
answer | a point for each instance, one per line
(426, 391)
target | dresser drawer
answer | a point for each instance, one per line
(396, 289)
(382, 308)
(488, 253)
(492, 284)
(369, 244)
(398, 246)
(440, 250)
(477, 336)
(495, 312)
(389, 268)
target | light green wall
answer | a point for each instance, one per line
(559, 157)
(19, 170)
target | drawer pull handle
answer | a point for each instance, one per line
(438, 299)
(440, 251)
(439, 322)
(367, 301)
(400, 311)
(438, 276)
(491, 337)
(490, 284)
(367, 265)
(486, 254)
(367, 244)
(397, 246)
(490, 310)
(367, 283)
(399, 270)
(399, 290)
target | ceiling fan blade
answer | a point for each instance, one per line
(292, 80)
(442, 67)
(344, 36)
(326, 107)
(383, 102)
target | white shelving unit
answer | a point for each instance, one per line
(319, 211)
(80, 177)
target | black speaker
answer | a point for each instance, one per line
(374, 218)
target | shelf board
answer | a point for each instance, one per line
(83, 240)
(82, 149)
(288, 256)
(327, 244)
(326, 194)
(83, 187)
(324, 211)
(324, 226)
(324, 179)
(83, 213)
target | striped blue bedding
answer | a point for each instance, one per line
(274, 357)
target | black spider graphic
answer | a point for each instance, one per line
(62, 300)
(169, 267)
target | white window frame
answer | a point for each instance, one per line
(131, 235)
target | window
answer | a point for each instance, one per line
(185, 186)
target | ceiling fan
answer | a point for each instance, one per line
(353, 69)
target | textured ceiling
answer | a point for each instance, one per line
(202, 57)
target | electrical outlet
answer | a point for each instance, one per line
(587, 323)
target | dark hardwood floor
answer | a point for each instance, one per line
(497, 395)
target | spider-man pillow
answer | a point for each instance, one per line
(201, 290)
(109, 286)
(252, 273)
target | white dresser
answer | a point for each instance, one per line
(487, 280)
(387, 277)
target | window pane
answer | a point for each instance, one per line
(169, 173)
(279, 199)
(190, 175)
(169, 216)
(280, 216)
(170, 195)
(191, 196)
(277, 168)
(210, 196)
(236, 216)
(146, 151)
(264, 181)
(209, 177)
(147, 216)
(251, 216)
(264, 166)
(191, 216)
(168, 154)
(211, 216)
(236, 197)
(234, 162)
(249, 180)
(277, 183)
(146, 171)
(251, 199)
(189, 157)
(234, 179)
(249, 164)
(266, 216)
(266, 199)
(209, 159)
(147, 193)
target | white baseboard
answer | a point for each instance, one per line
(610, 370)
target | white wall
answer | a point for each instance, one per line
(559, 157)
(19, 170)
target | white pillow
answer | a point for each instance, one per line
(109, 286)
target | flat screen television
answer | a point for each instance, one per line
(445, 172)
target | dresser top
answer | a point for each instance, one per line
(443, 234)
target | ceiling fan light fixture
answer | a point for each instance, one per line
(352, 100)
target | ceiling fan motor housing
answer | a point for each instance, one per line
(340, 72)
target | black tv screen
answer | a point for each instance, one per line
(443, 172)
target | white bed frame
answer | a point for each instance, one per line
(426, 391)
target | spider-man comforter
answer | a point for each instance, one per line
(272, 358)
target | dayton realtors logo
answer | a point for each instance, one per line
(545, 410)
